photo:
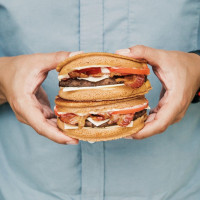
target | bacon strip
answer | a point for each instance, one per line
(120, 119)
(125, 120)
(76, 74)
(70, 118)
(134, 81)
(100, 117)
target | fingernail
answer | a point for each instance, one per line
(71, 142)
(123, 51)
(128, 137)
(75, 53)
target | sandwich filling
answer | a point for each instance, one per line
(120, 117)
(97, 75)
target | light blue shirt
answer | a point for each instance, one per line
(163, 167)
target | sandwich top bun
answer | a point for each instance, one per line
(98, 58)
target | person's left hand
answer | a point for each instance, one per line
(21, 78)
(179, 74)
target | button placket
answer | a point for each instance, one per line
(91, 40)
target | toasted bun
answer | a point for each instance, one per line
(81, 104)
(97, 107)
(103, 134)
(109, 93)
(87, 59)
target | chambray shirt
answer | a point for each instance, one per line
(163, 167)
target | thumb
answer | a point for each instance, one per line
(151, 55)
(49, 61)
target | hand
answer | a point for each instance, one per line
(20, 84)
(179, 74)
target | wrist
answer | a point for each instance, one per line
(3, 98)
(196, 54)
(196, 98)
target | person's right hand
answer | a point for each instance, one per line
(20, 85)
(179, 74)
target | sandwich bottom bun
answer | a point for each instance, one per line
(103, 134)
(107, 93)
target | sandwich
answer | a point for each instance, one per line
(102, 76)
(101, 120)
(101, 96)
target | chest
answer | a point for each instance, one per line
(104, 25)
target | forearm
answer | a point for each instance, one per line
(198, 68)
(196, 54)
(2, 77)
(196, 98)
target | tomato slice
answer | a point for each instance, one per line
(89, 71)
(56, 111)
(126, 70)
(131, 110)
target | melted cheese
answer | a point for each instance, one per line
(60, 77)
(89, 66)
(68, 89)
(68, 126)
(91, 142)
(94, 79)
(97, 123)
(104, 70)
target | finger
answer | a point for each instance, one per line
(42, 102)
(45, 63)
(47, 112)
(162, 101)
(158, 122)
(162, 92)
(75, 53)
(150, 118)
(35, 118)
(45, 128)
(180, 116)
(53, 122)
(51, 60)
(42, 96)
(142, 52)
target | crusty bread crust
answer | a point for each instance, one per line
(82, 104)
(87, 107)
(110, 93)
(103, 134)
(98, 58)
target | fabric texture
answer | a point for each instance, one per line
(163, 167)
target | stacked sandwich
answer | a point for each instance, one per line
(101, 96)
